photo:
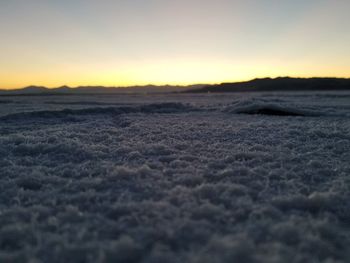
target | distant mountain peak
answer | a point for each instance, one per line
(34, 87)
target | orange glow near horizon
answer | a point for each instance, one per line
(160, 74)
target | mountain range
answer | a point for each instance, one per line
(66, 90)
(263, 84)
(279, 84)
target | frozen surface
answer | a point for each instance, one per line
(175, 178)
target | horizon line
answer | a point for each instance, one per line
(168, 85)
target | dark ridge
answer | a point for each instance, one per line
(279, 84)
(270, 111)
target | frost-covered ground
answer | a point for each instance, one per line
(175, 178)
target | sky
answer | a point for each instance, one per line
(139, 42)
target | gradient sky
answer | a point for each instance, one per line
(127, 42)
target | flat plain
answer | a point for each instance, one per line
(243, 177)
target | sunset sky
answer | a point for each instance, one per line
(137, 42)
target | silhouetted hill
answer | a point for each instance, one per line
(33, 89)
(279, 84)
(265, 84)
(39, 90)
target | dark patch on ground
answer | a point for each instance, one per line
(271, 111)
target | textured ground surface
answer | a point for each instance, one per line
(175, 178)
